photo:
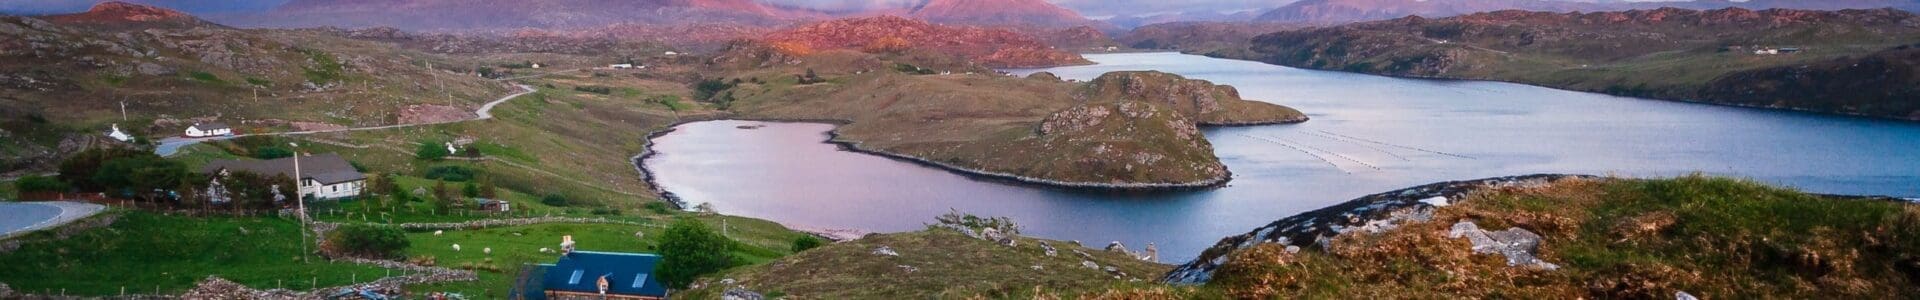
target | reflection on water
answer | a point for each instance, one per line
(1368, 134)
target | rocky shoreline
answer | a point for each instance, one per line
(1372, 213)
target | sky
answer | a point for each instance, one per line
(1091, 8)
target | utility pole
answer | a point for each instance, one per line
(301, 201)
(123, 109)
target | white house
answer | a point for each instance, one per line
(671, 53)
(208, 129)
(620, 66)
(116, 134)
(322, 177)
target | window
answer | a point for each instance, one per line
(576, 277)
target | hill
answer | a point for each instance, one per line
(507, 14)
(935, 263)
(999, 13)
(67, 76)
(1344, 11)
(1565, 237)
(1674, 53)
(1200, 36)
(990, 47)
(1126, 130)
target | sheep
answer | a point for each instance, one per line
(456, 247)
(545, 250)
(487, 250)
(437, 232)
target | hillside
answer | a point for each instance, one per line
(935, 263)
(999, 13)
(1872, 84)
(509, 14)
(1200, 37)
(1666, 53)
(889, 34)
(1344, 11)
(1565, 237)
(1038, 129)
(67, 76)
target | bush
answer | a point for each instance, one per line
(40, 184)
(806, 242)
(659, 207)
(431, 151)
(594, 89)
(555, 200)
(451, 173)
(272, 152)
(368, 240)
(707, 88)
(691, 249)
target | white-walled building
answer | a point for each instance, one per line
(208, 129)
(322, 177)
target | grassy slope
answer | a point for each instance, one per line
(1710, 237)
(516, 246)
(949, 265)
(142, 251)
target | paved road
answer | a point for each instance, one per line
(23, 217)
(172, 145)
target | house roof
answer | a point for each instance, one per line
(210, 125)
(626, 273)
(326, 168)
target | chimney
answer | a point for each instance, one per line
(566, 245)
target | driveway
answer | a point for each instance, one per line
(18, 218)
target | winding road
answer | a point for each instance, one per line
(170, 146)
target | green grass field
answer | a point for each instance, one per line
(514, 247)
(142, 252)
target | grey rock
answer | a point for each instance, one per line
(1683, 295)
(737, 293)
(907, 268)
(153, 69)
(884, 250)
(1089, 265)
(1049, 248)
(1516, 244)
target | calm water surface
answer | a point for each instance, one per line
(1368, 134)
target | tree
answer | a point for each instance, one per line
(690, 249)
(555, 200)
(431, 151)
(368, 240)
(487, 190)
(806, 242)
(78, 170)
(471, 151)
(40, 184)
(470, 190)
(145, 177)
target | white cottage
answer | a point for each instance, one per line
(322, 177)
(208, 129)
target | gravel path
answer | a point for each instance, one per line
(18, 218)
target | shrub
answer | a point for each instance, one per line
(707, 88)
(368, 240)
(431, 151)
(272, 152)
(470, 190)
(691, 249)
(806, 242)
(451, 173)
(659, 207)
(594, 89)
(555, 200)
(40, 184)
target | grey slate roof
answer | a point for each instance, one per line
(326, 168)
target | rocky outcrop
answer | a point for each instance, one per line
(1372, 214)
(992, 47)
(1199, 100)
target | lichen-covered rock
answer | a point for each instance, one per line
(1516, 244)
(1370, 214)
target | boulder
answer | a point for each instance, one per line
(884, 250)
(737, 293)
(1516, 244)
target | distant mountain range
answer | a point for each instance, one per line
(1344, 11)
(565, 14)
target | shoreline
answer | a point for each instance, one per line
(833, 137)
(1462, 79)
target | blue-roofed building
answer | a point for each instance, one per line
(599, 275)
